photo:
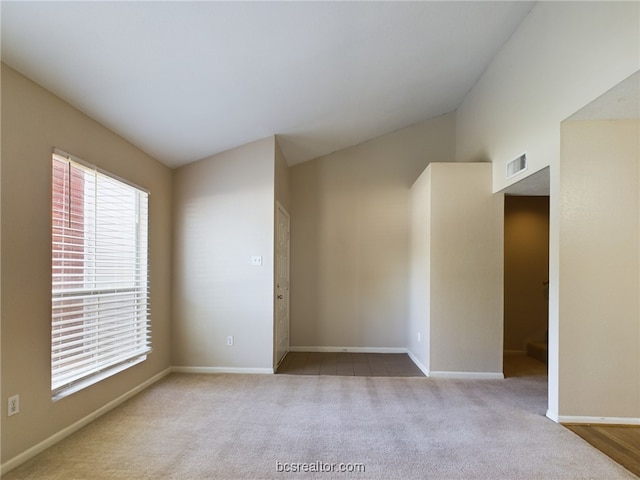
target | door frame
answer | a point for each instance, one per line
(286, 289)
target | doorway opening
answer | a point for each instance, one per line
(526, 274)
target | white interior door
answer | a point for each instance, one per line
(282, 283)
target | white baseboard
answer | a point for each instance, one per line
(418, 363)
(598, 420)
(350, 349)
(468, 375)
(552, 416)
(221, 370)
(65, 432)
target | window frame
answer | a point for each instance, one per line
(100, 307)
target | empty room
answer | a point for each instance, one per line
(320, 240)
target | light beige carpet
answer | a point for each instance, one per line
(251, 426)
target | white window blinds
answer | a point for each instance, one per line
(100, 292)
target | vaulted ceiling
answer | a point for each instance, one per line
(185, 80)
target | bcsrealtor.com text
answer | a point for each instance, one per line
(319, 467)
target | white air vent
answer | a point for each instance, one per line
(517, 165)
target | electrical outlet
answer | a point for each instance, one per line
(13, 405)
(230, 341)
(256, 260)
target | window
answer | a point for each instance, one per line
(100, 292)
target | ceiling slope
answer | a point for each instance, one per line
(185, 80)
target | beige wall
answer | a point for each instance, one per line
(350, 238)
(224, 215)
(33, 122)
(599, 285)
(562, 56)
(526, 269)
(419, 325)
(464, 266)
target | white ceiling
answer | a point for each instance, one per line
(185, 80)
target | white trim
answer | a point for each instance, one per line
(418, 363)
(552, 416)
(87, 382)
(73, 158)
(350, 349)
(468, 375)
(65, 432)
(210, 370)
(280, 207)
(599, 420)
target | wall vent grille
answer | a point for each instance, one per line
(517, 165)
